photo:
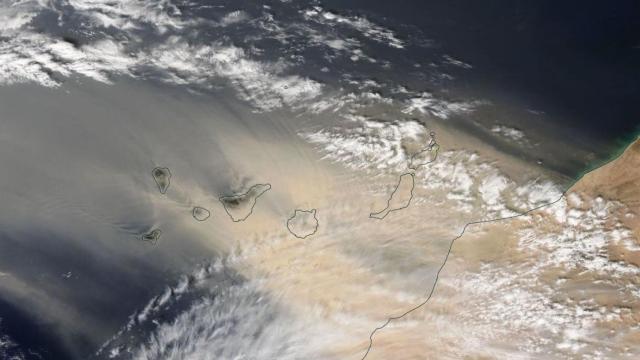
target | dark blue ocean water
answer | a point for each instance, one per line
(578, 61)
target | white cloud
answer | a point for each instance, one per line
(224, 318)
(536, 193)
(510, 133)
(532, 304)
(234, 17)
(368, 144)
(365, 27)
(427, 103)
(448, 59)
(237, 323)
(37, 57)
(10, 350)
(16, 15)
(491, 188)
(583, 239)
(257, 82)
(130, 14)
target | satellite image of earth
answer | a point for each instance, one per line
(306, 179)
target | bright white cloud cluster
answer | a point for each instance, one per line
(225, 318)
(29, 56)
(16, 15)
(237, 323)
(347, 46)
(427, 103)
(105, 39)
(546, 328)
(349, 103)
(10, 350)
(365, 27)
(581, 238)
(572, 237)
(38, 58)
(511, 134)
(257, 82)
(234, 17)
(130, 14)
(369, 144)
(470, 182)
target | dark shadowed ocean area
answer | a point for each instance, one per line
(577, 63)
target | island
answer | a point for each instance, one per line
(162, 177)
(200, 213)
(152, 236)
(303, 223)
(239, 207)
(425, 156)
(400, 197)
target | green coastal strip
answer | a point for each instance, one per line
(622, 145)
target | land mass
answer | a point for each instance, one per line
(200, 213)
(239, 207)
(399, 199)
(303, 223)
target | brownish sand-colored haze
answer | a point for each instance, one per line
(561, 281)
(618, 180)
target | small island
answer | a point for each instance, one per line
(425, 156)
(400, 197)
(200, 213)
(162, 177)
(152, 236)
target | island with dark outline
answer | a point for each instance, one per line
(400, 198)
(152, 236)
(199, 213)
(162, 177)
(303, 223)
(240, 206)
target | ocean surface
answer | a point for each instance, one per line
(575, 62)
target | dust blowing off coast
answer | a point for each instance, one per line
(319, 180)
